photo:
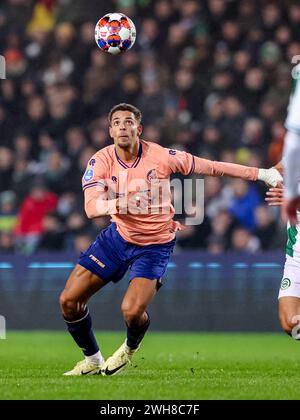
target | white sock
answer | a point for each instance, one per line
(95, 358)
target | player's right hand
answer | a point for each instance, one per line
(136, 202)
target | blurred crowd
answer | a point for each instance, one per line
(212, 77)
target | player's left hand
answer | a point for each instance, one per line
(289, 211)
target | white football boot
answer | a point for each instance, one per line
(85, 368)
(117, 362)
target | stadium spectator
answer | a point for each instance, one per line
(222, 226)
(82, 242)
(7, 244)
(244, 202)
(34, 208)
(53, 234)
(266, 229)
(8, 211)
(6, 168)
(243, 241)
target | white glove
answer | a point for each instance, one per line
(271, 177)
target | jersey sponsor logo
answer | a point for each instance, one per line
(88, 175)
(285, 284)
(92, 162)
(172, 152)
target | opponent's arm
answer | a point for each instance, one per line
(279, 167)
(292, 164)
(275, 196)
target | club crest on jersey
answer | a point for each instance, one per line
(152, 176)
(88, 175)
(172, 152)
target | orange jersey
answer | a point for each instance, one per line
(108, 178)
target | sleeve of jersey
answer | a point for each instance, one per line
(212, 168)
(291, 158)
(187, 164)
(94, 187)
(181, 162)
(95, 173)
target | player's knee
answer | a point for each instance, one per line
(132, 314)
(68, 306)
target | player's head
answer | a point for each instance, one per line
(125, 124)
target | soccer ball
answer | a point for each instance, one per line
(115, 33)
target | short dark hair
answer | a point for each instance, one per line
(125, 107)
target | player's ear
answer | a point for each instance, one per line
(140, 129)
(110, 131)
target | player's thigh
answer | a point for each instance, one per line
(139, 295)
(81, 285)
(289, 293)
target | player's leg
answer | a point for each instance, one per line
(81, 285)
(97, 266)
(138, 297)
(289, 313)
(289, 295)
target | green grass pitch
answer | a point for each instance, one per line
(168, 366)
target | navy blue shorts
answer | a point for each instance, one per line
(110, 256)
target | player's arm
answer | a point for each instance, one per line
(279, 167)
(292, 176)
(291, 151)
(270, 176)
(96, 205)
(94, 186)
(292, 164)
(186, 164)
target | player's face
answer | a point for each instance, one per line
(124, 129)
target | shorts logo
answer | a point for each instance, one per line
(285, 284)
(172, 152)
(92, 257)
(88, 175)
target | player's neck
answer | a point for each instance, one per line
(129, 154)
